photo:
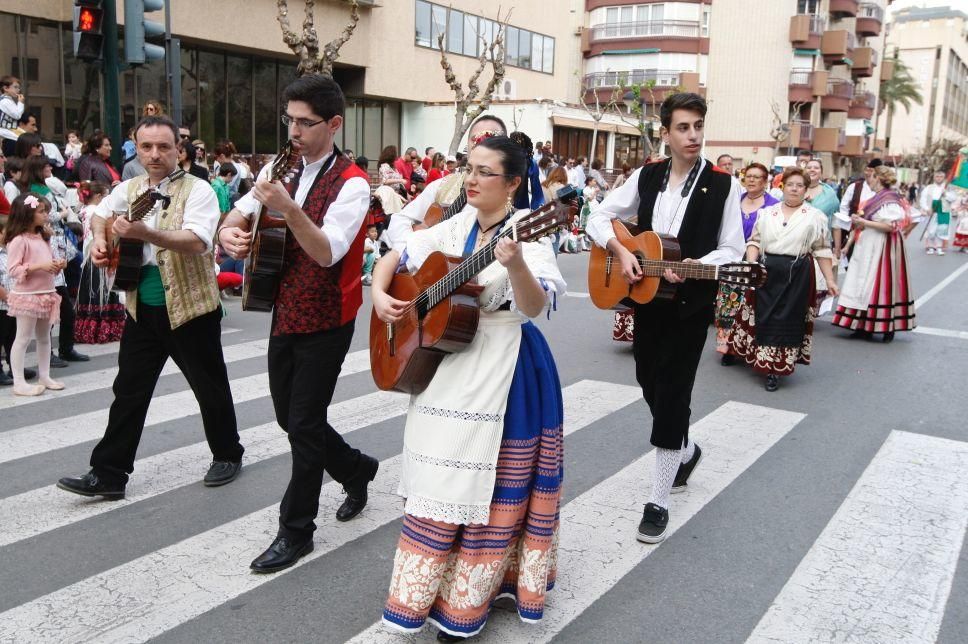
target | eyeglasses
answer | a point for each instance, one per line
(302, 124)
(482, 174)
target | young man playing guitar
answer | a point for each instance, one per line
(686, 197)
(172, 312)
(315, 309)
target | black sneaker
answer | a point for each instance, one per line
(91, 485)
(652, 528)
(222, 472)
(685, 469)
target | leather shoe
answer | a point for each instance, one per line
(29, 374)
(281, 554)
(57, 362)
(74, 356)
(772, 382)
(355, 488)
(91, 485)
(222, 472)
(5, 380)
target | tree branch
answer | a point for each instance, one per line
(449, 77)
(331, 50)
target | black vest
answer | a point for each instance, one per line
(699, 233)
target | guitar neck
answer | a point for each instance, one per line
(464, 273)
(656, 267)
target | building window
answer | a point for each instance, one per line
(704, 26)
(30, 70)
(808, 6)
(469, 35)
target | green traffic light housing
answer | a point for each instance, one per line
(137, 29)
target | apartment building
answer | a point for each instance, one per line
(933, 44)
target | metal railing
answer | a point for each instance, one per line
(871, 10)
(650, 29)
(864, 99)
(803, 77)
(806, 130)
(661, 77)
(840, 87)
(818, 24)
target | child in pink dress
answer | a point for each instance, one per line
(32, 299)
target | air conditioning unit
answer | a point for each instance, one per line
(507, 90)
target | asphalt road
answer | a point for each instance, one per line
(832, 510)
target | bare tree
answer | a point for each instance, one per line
(597, 113)
(639, 109)
(312, 59)
(464, 114)
(781, 129)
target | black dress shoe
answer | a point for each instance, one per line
(772, 382)
(355, 489)
(443, 636)
(222, 472)
(728, 360)
(5, 380)
(30, 374)
(889, 337)
(91, 485)
(281, 554)
(74, 356)
(860, 334)
(56, 362)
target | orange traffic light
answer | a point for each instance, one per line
(87, 20)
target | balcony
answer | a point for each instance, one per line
(673, 36)
(805, 85)
(837, 45)
(801, 134)
(828, 139)
(839, 94)
(605, 83)
(806, 30)
(870, 19)
(865, 60)
(862, 106)
(844, 8)
(887, 69)
(854, 146)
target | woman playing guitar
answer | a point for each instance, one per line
(474, 436)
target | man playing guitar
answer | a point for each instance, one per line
(315, 309)
(689, 198)
(173, 312)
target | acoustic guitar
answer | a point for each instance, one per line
(437, 213)
(656, 252)
(443, 312)
(263, 267)
(127, 254)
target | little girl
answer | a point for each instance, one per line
(32, 299)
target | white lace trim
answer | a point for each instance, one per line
(453, 513)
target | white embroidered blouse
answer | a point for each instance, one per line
(805, 232)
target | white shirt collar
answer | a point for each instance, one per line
(316, 165)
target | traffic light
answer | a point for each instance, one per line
(88, 24)
(136, 29)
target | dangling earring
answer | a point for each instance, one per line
(509, 206)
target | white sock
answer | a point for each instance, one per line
(687, 451)
(666, 466)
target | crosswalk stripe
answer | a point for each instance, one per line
(154, 593)
(37, 511)
(882, 569)
(732, 437)
(81, 383)
(55, 434)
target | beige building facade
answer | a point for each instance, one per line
(235, 63)
(933, 44)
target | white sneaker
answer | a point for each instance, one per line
(930, 251)
(940, 252)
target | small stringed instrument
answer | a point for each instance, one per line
(263, 266)
(128, 254)
(443, 312)
(656, 252)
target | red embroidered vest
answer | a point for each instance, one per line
(311, 297)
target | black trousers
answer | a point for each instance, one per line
(196, 347)
(65, 337)
(303, 369)
(8, 332)
(667, 350)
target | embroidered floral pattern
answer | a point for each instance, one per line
(459, 415)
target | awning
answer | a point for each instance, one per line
(621, 128)
(582, 124)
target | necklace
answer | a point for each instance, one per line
(795, 208)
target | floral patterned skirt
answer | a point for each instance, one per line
(449, 575)
(784, 337)
(728, 303)
(100, 315)
(624, 328)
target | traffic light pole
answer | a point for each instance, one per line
(112, 92)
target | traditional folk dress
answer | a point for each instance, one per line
(100, 314)
(876, 295)
(936, 204)
(730, 297)
(773, 331)
(482, 460)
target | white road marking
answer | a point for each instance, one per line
(882, 569)
(81, 383)
(56, 434)
(597, 540)
(921, 301)
(37, 511)
(112, 347)
(576, 294)
(145, 597)
(945, 333)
